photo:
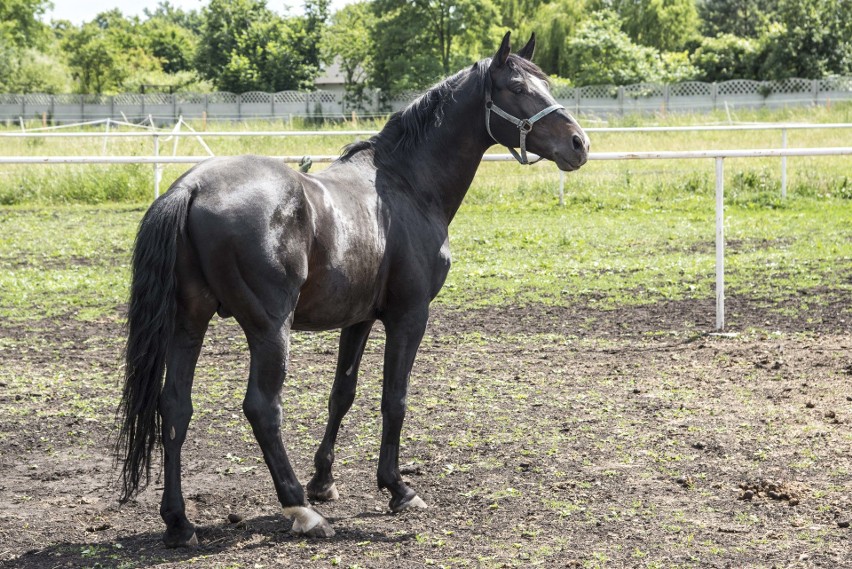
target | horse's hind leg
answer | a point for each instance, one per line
(176, 411)
(352, 342)
(262, 406)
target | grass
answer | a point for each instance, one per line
(630, 232)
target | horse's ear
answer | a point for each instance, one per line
(503, 52)
(528, 50)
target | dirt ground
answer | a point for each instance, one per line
(539, 436)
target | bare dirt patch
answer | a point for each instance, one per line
(539, 436)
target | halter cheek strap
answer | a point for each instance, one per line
(525, 126)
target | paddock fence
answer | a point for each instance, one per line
(595, 100)
(718, 156)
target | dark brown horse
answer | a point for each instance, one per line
(364, 240)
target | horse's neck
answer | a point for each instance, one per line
(442, 167)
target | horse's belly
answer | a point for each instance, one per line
(332, 300)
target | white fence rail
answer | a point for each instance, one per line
(690, 96)
(717, 155)
(157, 135)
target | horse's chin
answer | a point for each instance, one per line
(567, 165)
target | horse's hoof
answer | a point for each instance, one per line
(322, 529)
(328, 495)
(308, 522)
(173, 541)
(415, 502)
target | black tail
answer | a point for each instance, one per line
(150, 323)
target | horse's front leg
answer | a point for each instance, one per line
(404, 334)
(352, 342)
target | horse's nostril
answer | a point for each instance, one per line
(577, 140)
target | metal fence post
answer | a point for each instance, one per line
(157, 171)
(720, 244)
(784, 164)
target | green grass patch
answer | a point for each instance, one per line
(630, 232)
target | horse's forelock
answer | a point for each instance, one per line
(527, 66)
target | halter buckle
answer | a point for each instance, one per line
(525, 125)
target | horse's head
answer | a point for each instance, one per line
(521, 112)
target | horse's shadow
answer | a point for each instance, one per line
(147, 549)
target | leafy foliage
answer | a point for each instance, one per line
(814, 39)
(20, 24)
(419, 41)
(553, 23)
(663, 24)
(347, 41)
(403, 45)
(601, 53)
(741, 18)
(246, 47)
(726, 57)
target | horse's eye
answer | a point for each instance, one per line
(517, 89)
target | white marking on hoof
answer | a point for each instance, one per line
(415, 502)
(307, 521)
(328, 495)
(193, 541)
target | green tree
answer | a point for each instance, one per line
(263, 60)
(666, 25)
(742, 18)
(418, 41)
(189, 20)
(20, 24)
(813, 39)
(519, 14)
(223, 22)
(347, 42)
(726, 57)
(601, 53)
(313, 24)
(171, 43)
(553, 23)
(108, 54)
(28, 70)
(245, 46)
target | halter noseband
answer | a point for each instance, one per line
(525, 126)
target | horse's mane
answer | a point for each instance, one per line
(411, 125)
